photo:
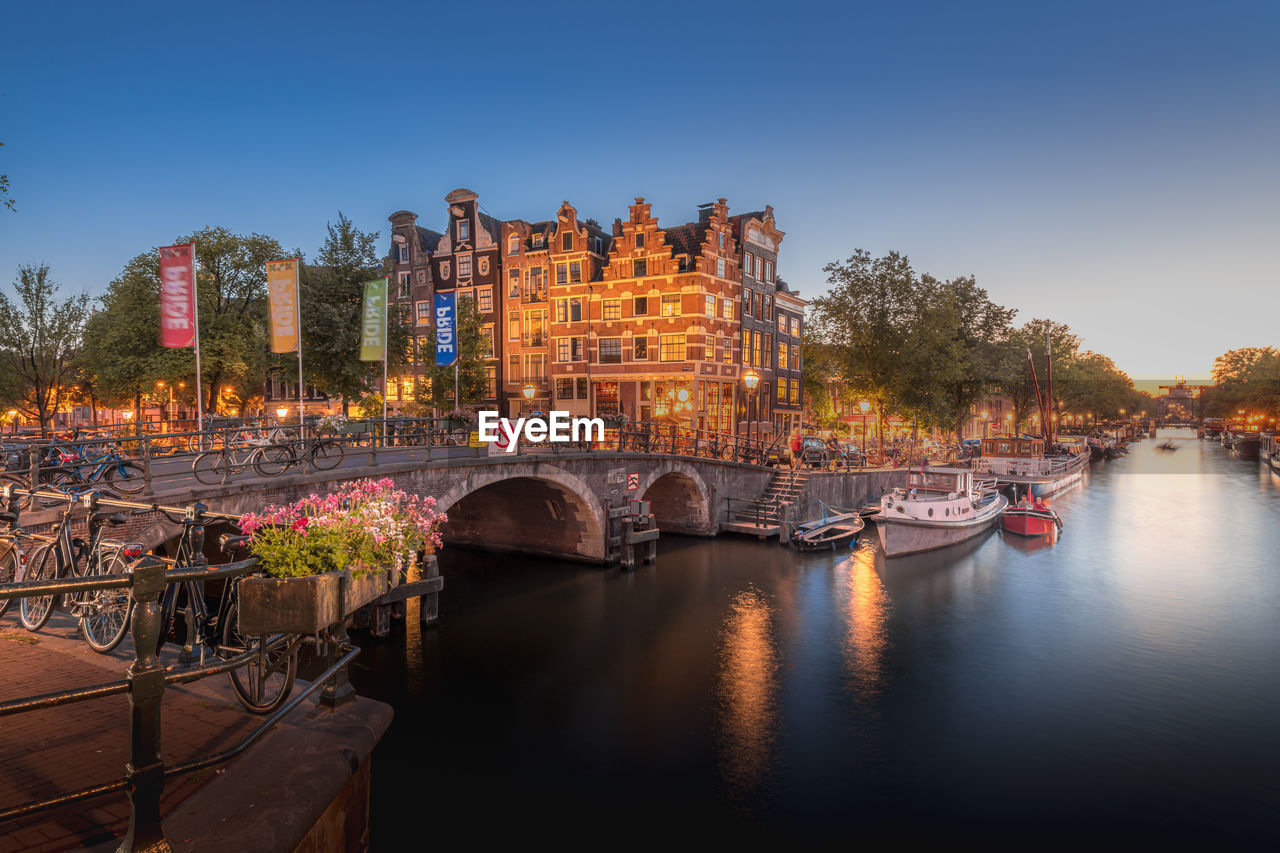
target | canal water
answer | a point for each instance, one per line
(1121, 683)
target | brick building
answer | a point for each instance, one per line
(650, 322)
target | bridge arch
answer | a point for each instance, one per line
(536, 508)
(679, 498)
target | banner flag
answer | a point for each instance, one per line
(373, 325)
(446, 329)
(177, 296)
(282, 296)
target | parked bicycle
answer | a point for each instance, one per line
(80, 470)
(12, 559)
(221, 464)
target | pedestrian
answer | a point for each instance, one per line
(796, 444)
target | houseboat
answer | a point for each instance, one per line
(937, 507)
(1023, 464)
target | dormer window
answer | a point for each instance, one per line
(537, 240)
(513, 245)
(464, 229)
(566, 241)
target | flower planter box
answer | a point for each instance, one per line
(306, 605)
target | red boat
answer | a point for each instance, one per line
(1030, 517)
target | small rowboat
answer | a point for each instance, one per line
(834, 530)
(1030, 518)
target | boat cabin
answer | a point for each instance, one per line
(939, 480)
(1019, 448)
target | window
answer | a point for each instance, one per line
(405, 283)
(709, 305)
(641, 306)
(582, 388)
(759, 267)
(640, 240)
(491, 382)
(535, 279)
(562, 273)
(484, 266)
(513, 326)
(444, 269)
(768, 307)
(795, 358)
(535, 366)
(513, 368)
(747, 259)
(720, 267)
(538, 240)
(424, 312)
(768, 270)
(575, 271)
(513, 244)
(612, 309)
(639, 268)
(610, 350)
(464, 229)
(564, 389)
(782, 355)
(486, 342)
(758, 300)
(767, 350)
(795, 391)
(422, 276)
(568, 349)
(782, 324)
(670, 305)
(726, 309)
(513, 283)
(782, 390)
(575, 310)
(746, 347)
(671, 347)
(795, 327)
(726, 350)
(709, 348)
(464, 266)
(721, 239)
(486, 300)
(641, 349)
(402, 254)
(566, 241)
(755, 349)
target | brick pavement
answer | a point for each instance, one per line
(57, 750)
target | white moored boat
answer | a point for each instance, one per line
(938, 507)
(1023, 463)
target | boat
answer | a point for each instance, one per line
(835, 529)
(1245, 445)
(1274, 461)
(1213, 428)
(1023, 464)
(1030, 517)
(937, 507)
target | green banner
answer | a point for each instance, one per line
(373, 325)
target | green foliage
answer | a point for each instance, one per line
(473, 383)
(1246, 378)
(1013, 371)
(4, 191)
(332, 298)
(40, 338)
(371, 406)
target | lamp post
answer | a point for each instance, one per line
(586, 346)
(528, 391)
(985, 416)
(751, 379)
(282, 413)
(864, 406)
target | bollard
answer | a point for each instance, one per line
(337, 690)
(144, 774)
(373, 447)
(146, 463)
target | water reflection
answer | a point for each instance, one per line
(747, 690)
(866, 618)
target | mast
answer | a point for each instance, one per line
(1048, 415)
(1044, 413)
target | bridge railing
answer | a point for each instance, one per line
(145, 681)
(676, 440)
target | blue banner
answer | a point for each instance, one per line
(446, 329)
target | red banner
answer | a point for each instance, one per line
(177, 296)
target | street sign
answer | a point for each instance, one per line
(633, 481)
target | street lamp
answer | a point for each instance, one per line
(282, 413)
(985, 416)
(751, 379)
(528, 391)
(865, 406)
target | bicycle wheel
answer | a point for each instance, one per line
(439, 437)
(272, 459)
(34, 610)
(326, 455)
(208, 467)
(107, 611)
(126, 477)
(264, 683)
(24, 501)
(8, 570)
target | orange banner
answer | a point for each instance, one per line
(282, 296)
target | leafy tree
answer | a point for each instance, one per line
(1246, 378)
(332, 300)
(1013, 372)
(4, 190)
(473, 382)
(39, 340)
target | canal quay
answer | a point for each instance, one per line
(1119, 684)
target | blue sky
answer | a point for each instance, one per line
(1110, 165)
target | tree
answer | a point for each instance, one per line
(232, 289)
(473, 350)
(4, 190)
(39, 340)
(1246, 378)
(332, 299)
(1013, 372)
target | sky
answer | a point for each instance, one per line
(1113, 166)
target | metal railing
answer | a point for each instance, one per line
(145, 682)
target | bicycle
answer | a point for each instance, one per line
(12, 560)
(103, 614)
(261, 685)
(325, 454)
(219, 465)
(110, 468)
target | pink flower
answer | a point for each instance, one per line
(301, 523)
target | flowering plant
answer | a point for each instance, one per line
(333, 423)
(461, 416)
(365, 526)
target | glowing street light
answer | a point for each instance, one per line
(751, 380)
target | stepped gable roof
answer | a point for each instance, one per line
(687, 239)
(740, 218)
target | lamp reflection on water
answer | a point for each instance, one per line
(867, 611)
(747, 690)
